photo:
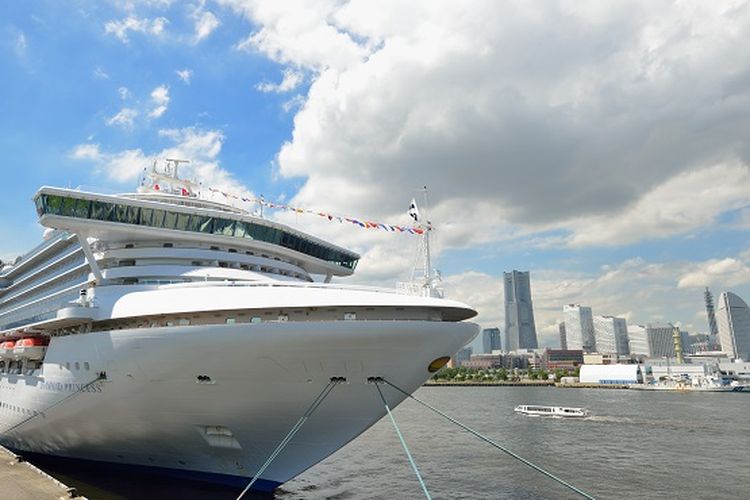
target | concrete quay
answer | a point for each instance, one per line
(21, 480)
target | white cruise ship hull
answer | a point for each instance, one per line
(214, 401)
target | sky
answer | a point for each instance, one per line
(603, 146)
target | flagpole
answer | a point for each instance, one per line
(428, 284)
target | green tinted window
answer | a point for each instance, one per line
(224, 227)
(158, 218)
(99, 210)
(170, 220)
(146, 216)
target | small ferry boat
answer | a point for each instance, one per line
(552, 411)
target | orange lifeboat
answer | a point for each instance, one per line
(6, 349)
(31, 348)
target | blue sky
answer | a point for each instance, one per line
(604, 149)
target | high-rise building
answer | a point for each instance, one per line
(653, 340)
(520, 330)
(611, 335)
(563, 336)
(637, 340)
(733, 317)
(491, 340)
(660, 341)
(710, 314)
(579, 327)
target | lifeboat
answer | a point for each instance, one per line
(31, 348)
(6, 349)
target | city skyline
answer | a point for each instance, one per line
(514, 121)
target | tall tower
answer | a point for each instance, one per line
(579, 326)
(734, 326)
(520, 330)
(712, 328)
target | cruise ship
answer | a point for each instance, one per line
(165, 332)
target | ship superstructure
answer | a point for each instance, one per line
(164, 331)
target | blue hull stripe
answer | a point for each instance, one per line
(261, 485)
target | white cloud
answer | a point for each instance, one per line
(205, 23)
(185, 75)
(124, 93)
(201, 147)
(160, 101)
(684, 203)
(20, 45)
(293, 103)
(86, 152)
(124, 118)
(571, 123)
(100, 74)
(121, 28)
(290, 81)
(726, 272)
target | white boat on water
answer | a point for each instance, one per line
(700, 383)
(552, 411)
(168, 333)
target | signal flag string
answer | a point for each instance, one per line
(361, 223)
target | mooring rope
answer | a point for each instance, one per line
(493, 443)
(313, 406)
(377, 383)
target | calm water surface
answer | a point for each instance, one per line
(643, 445)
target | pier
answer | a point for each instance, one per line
(23, 481)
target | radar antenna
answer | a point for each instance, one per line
(171, 168)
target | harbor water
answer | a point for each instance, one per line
(645, 445)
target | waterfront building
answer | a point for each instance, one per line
(579, 327)
(611, 335)
(563, 336)
(660, 341)
(660, 369)
(461, 356)
(484, 361)
(596, 358)
(733, 317)
(491, 340)
(566, 359)
(611, 374)
(520, 330)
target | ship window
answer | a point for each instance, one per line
(78, 365)
(168, 245)
(146, 215)
(183, 222)
(224, 227)
(196, 222)
(350, 316)
(68, 206)
(184, 322)
(133, 215)
(283, 317)
(67, 365)
(214, 248)
(256, 319)
(82, 209)
(129, 245)
(170, 220)
(158, 218)
(170, 323)
(231, 321)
